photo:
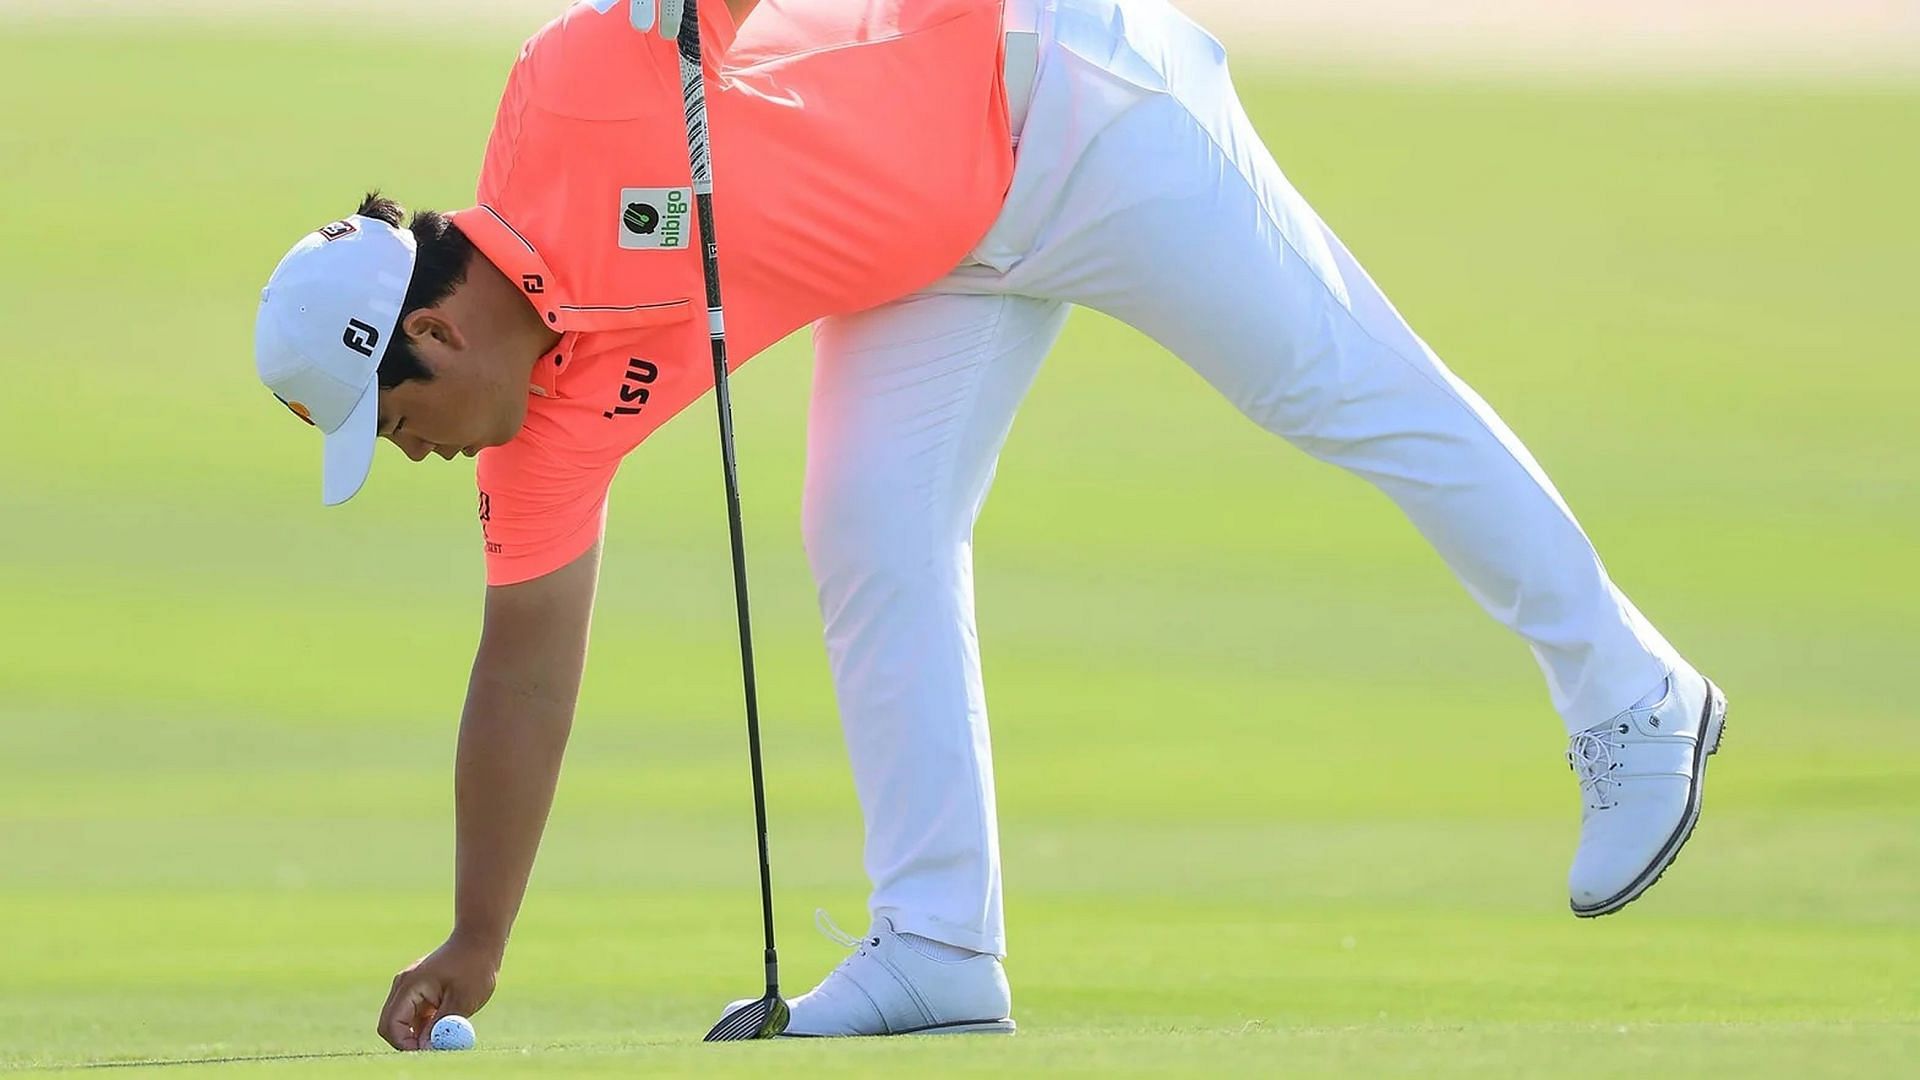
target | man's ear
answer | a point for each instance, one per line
(424, 325)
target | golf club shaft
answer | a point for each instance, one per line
(700, 158)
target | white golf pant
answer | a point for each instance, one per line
(1141, 190)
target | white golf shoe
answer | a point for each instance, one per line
(1640, 779)
(887, 987)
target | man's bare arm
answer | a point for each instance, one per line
(513, 733)
(520, 700)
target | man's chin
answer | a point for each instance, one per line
(497, 439)
(509, 431)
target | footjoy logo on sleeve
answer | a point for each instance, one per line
(486, 519)
(655, 219)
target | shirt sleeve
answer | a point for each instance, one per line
(542, 504)
(496, 165)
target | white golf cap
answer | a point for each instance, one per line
(325, 318)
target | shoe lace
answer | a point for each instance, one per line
(824, 923)
(1590, 756)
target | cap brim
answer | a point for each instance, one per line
(348, 456)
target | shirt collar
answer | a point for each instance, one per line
(516, 257)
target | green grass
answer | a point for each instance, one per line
(1276, 798)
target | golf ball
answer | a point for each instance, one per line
(452, 1033)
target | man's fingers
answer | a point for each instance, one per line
(399, 1021)
(438, 985)
(423, 1016)
(393, 994)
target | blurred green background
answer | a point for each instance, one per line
(1274, 794)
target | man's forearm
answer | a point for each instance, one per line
(512, 739)
(513, 733)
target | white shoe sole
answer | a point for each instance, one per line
(957, 1027)
(1713, 719)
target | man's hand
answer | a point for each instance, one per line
(455, 979)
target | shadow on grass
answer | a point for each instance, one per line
(152, 1063)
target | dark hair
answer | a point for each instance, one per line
(440, 266)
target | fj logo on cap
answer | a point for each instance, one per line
(655, 219)
(360, 337)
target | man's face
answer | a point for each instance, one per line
(467, 404)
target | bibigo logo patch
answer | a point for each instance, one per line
(656, 219)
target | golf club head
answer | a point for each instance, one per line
(762, 1019)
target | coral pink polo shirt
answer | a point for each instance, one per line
(861, 150)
